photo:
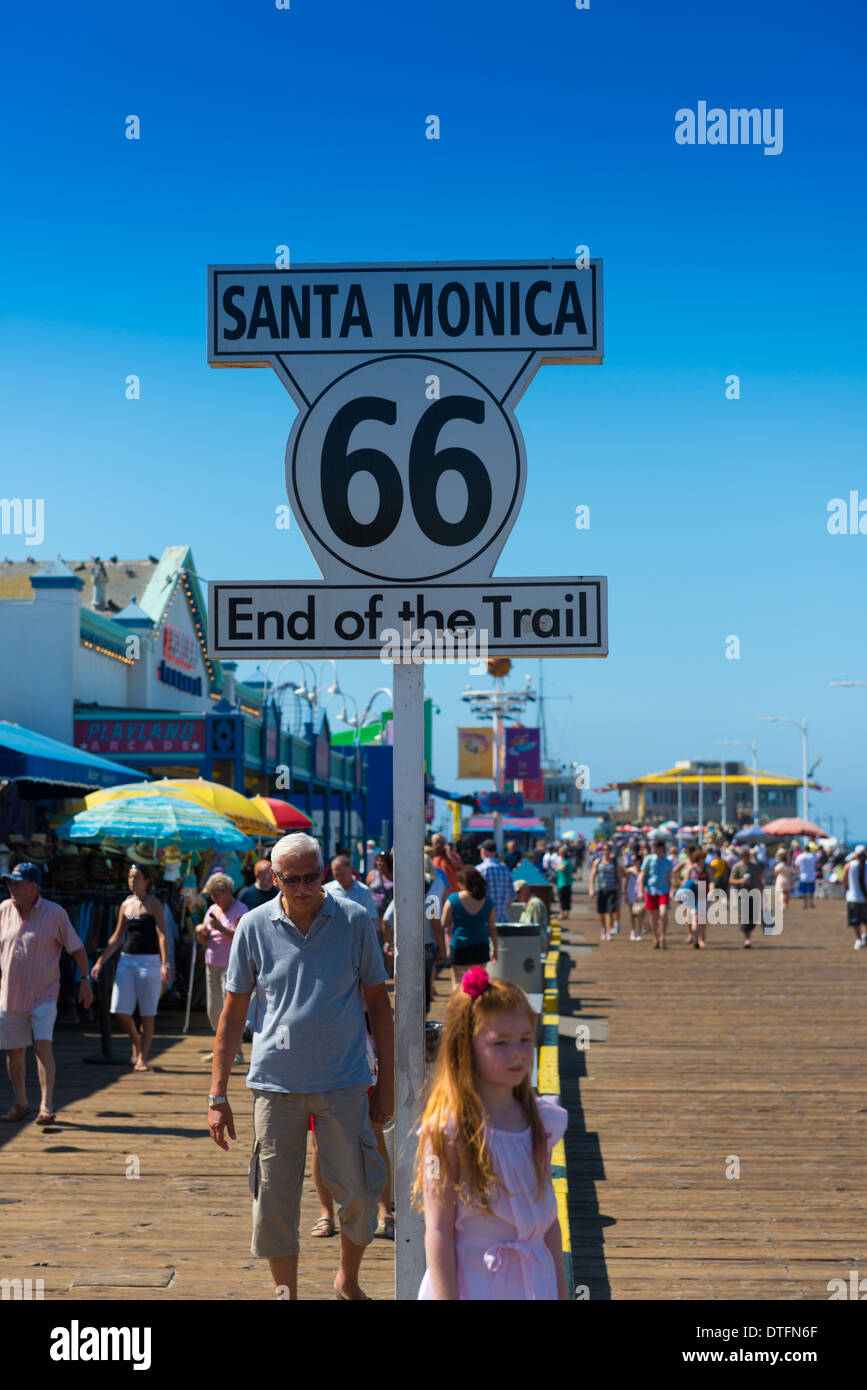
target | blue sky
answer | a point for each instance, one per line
(306, 127)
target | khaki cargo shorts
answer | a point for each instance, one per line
(352, 1168)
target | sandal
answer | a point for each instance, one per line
(45, 1117)
(323, 1227)
(385, 1229)
(16, 1112)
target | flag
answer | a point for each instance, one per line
(522, 753)
(475, 753)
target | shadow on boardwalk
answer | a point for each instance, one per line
(584, 1163)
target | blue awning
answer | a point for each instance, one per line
(42, 766)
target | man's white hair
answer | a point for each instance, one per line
(299, 843)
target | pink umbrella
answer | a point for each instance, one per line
(791, 825)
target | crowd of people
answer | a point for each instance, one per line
(717, 880)
(298, 963)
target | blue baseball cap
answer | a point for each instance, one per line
(24, 873)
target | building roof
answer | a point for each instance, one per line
(124, 579)
(710, 774)
(155, 580)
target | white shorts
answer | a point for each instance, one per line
(138, 981)
(33, 1025)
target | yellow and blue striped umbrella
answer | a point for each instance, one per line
(164, 820)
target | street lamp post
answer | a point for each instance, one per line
(740, 743)
(802, 725)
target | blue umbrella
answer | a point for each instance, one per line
(755, 833)
(165, 820)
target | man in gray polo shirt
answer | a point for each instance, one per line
(307, 958)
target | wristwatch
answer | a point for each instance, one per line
(218, 1100)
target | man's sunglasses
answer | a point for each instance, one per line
(292, 880)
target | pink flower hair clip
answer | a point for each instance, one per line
(476, 981)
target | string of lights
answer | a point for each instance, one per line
(107, 651)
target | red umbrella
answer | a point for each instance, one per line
(791, 825)
(287, 817)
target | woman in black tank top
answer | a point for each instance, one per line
(141, 934)
(143, 970)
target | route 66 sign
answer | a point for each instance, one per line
(406, 463)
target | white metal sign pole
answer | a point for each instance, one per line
(405, 471)
(409, 823)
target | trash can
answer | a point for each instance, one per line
(520, 957)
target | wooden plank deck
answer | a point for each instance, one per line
(694, 1057)
(699, 1057)
(182, 1229)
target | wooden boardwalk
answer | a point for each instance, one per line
(707, 1062)
(181, 1230)
(695, 1059)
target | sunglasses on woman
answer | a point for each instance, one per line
(293, 880)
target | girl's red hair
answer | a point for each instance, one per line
(454, 1101)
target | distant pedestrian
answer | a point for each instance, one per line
(782, 877)
(854, 876)
(655, 884)
(345, 886)
(215, 933)
(634, 901)
(143, 969)
(747, 879)
(469, 922)
(435, 888)
(513, 856)
(262, 889)
(805, 867)
(483, 1171)
(604, 879)
(33, 932)
(534, 912)
(447, 861)
(380, 881)
(563, 873)
(498, 879)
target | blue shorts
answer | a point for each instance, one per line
(807, 889)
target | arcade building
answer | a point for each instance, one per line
(110, 655)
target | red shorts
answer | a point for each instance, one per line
(654, 900)
(310, 1121)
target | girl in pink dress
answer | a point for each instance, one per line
(483, 1170)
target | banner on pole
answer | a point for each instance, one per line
(522, 753)
(533, 788)
(475, 753)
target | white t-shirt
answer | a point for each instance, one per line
(806, 866)
(853, 885)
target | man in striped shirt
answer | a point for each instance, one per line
(501, 889)
(33, 932)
